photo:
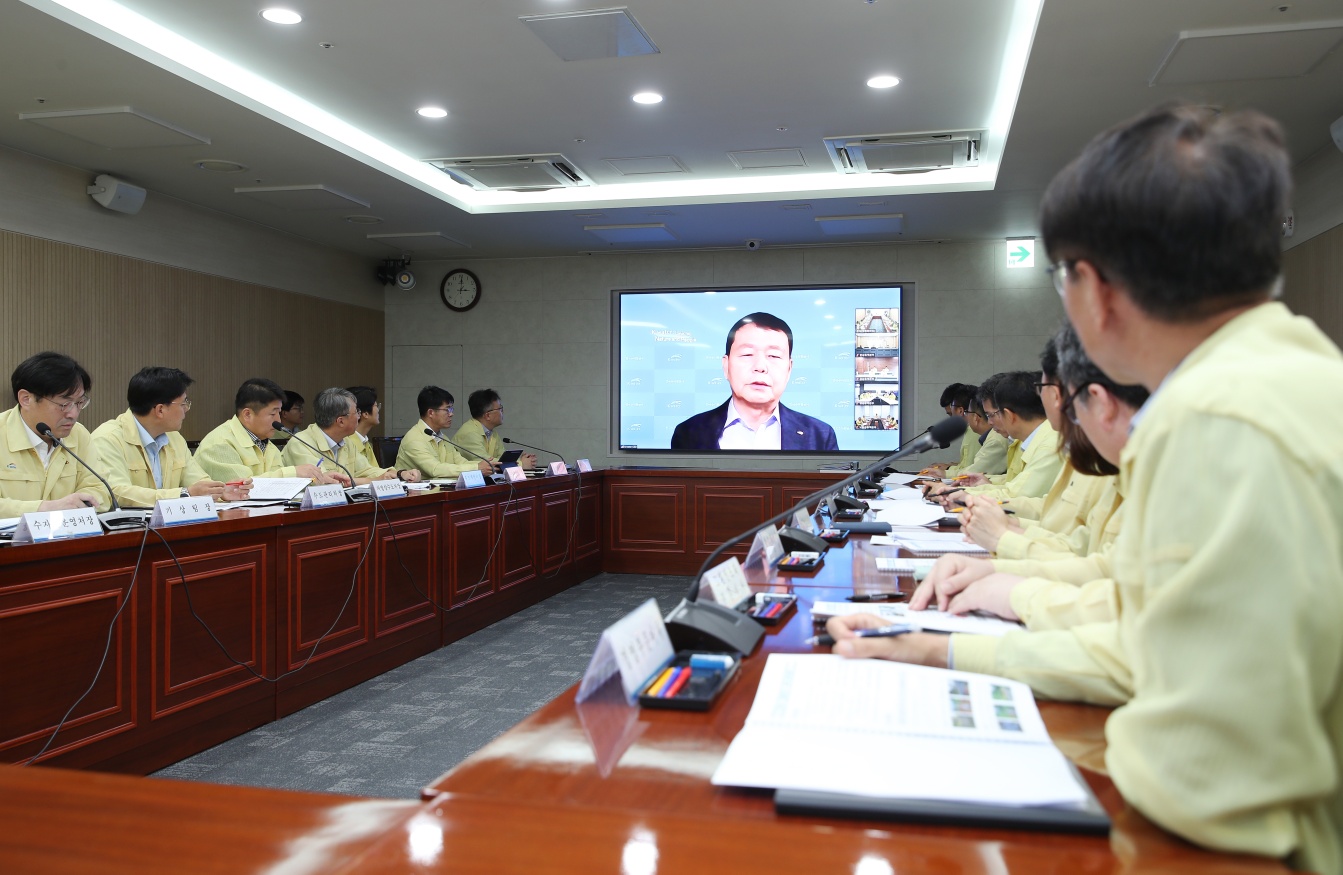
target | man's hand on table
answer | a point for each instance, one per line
(920, 648)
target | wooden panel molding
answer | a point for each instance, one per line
(517, 543)
(557, 531)
(318, 602)
(721, 512)
(468, 536)
(409, 547)
(647, 518)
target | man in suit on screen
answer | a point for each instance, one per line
(757, 364)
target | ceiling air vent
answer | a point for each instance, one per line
(514, 172)
(905, 153)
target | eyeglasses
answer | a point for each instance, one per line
(1041, 384)
(70, 406)
(1069, 404)
(185, 402)
(443, 409)
(498, 409)
(1058, 272)
(989, 414)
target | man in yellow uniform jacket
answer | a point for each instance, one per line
(480, 433)
(370, 417)
(1226, 657)
(50, 390)
(430, 453)
(240, 448)
(330, 439)
(144, 457)
(989, 448)
(1016, 411)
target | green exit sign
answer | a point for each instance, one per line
(1021, 252)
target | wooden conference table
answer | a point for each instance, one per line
(600, 787)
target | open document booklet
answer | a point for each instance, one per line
(872, 730)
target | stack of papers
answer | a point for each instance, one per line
(898, 479)
(881, 729)
(929, 621)
(933, 545)
(910, 513)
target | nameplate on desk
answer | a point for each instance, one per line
(584, 466)
(387, 488)
(766, 547)
(557, 468)
(277, 488)
(635, 646)
(176, 511)
(331, 495)
(804, 521)
(725, 584)
(515, 474)
(470, 480)
(57, 525)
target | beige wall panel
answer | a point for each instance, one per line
(1314, 281)
(117, 314)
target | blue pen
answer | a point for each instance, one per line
(884, 632)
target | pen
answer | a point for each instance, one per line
(877, 597)
(656, 686)
(677, 684)
(883, 632)
(235, 483)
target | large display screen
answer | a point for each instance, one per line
(835, 388)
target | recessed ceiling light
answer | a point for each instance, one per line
(215, 165)
(883, 82)
(648, 97)
(281, 16)
(363, 220)
(432, 112)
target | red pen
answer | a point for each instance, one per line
(678, 683)
(236, 483)
(774, 610)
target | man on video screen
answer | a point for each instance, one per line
(757, 365)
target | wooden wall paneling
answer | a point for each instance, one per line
(228, 585)
(557, 532)
(409, 547)
(1313, 276)
(116, 314)
(588, 539)
(54, 623)
(319, 570)
(468, 536)
(517, 550)
(647, 517)
(792, 495)
(722, 511)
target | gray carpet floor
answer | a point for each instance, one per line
(393, 734)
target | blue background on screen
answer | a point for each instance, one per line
(671, 353)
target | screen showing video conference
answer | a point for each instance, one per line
(758, 370)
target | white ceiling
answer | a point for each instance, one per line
(733, 73)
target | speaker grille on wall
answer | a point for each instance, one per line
(116, 195)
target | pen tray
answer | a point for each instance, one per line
(760, 602)
(700, 692)
(835, 536)
(789, 565)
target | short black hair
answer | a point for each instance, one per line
(49, 374)
(1182, 207)
(964, 397)
(761, 320)
(364, 398)
(480, 401)
(153, 386)
(985, 392)
(1049, 360)
(290, 399)
(1077, 370)
(256, 393)
(949, 394)
(431, 397)
(1015, 391)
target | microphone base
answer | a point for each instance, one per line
(843, 502)
(797, 540)
(709, 626)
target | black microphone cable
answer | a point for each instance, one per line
(44, 430)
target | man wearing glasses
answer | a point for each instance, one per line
(36, 475)
(480, 433)
(336, 417)
(1225, 657)
(144, 457)
(426, 450)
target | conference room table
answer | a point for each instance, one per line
(600, 786)
(621, 775)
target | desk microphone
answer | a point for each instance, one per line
(530, 447)
(279, 426)
(44, 430)
(695, 625)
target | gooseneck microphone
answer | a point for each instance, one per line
(44, 430)
(530, 447)
(279, 426)
(697, 626)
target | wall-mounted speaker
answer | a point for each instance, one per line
(117, 195)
